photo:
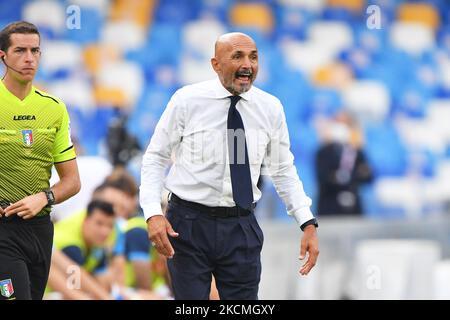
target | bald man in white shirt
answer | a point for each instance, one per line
(223, 133)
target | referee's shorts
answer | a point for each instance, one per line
(25, 256)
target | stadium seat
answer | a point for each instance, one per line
(368, 100)
(75, 92)
(310, 5)
(99, 5)
(333, 36)
(199, 37)
(124, 35)
(124, 76)
(47, 14)
(412, 100)
(389, 270)
(61, 55)
(110, 96)
(138, 11)
(421, 134)
(325, 102)
(336, 76)
(252, 15)
(438, 113)
(381, 140)
(306, 56)
(423, 13)
(194, 70)
(11, 11)
(292, 22)
(413, 38)
(95, 55)
(401, 192)
(164, 43)
(176, 12)
(352, 5)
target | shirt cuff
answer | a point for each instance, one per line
(152, 209)
(302, 215)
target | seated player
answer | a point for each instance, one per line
(82, 238)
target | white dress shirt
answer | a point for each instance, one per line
(192, 132)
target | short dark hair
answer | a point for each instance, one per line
(120, 184)
(104, 206)
(21, 27)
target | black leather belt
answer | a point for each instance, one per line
(219, 212)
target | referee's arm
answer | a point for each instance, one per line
(69, 182)
(68, 185)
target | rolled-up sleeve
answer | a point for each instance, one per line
(167, 136)
(279, 164)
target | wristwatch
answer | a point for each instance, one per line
(307, 223)
(50, 197)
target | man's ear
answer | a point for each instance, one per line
(2, 54)
(215, 64)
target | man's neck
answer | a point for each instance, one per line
(17, 88)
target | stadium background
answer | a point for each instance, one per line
(116, 64)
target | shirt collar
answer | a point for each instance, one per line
(6, 93)
(222, 93)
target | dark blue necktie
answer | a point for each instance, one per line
(241, 180)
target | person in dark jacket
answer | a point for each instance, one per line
(341, 168)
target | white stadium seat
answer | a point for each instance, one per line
(312, 5)
(305, 56)
(127, 76)
(61, 55)
(75, 92)
(413, 38)
(334, 36)
(46, 13)
(199, 36)
(367, 99)
(124, 35)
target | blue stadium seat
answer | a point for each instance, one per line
(385, 151)
(177, 12)
(339, 14)
(325, 102)
(412, 101)
(292, 22)
(11, 11)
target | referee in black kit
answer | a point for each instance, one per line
(34, 136)
(220, 133)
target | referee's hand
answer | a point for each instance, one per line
(28, 207)
(310, 245)
(158, 229)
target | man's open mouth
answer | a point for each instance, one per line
(243, 75)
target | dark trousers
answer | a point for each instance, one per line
(25, 256)
(228, 248)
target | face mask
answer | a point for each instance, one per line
(339, 133)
